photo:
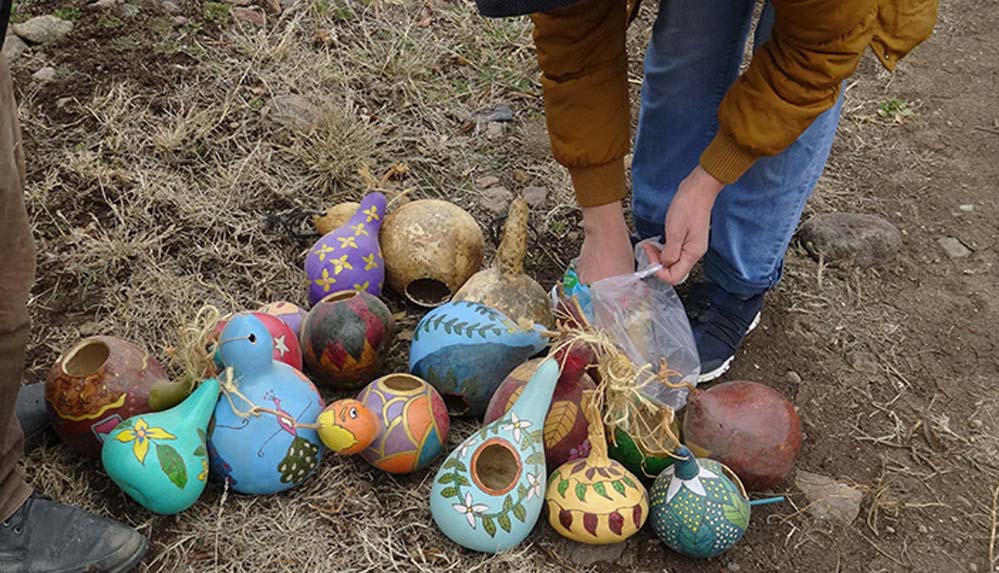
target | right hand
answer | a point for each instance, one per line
(607, 249)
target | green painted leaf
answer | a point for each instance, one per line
(521, 491)
(504, 521)
(488, 525)
(600, 489)
(449, 492)
(737, 514)
(629, 481)
(172, 464)
(526, 440)
(201, 434)
(537, 458)
(460, 480)
(200, 451)
(519, 512)
(450, 463)
(446, 478)
(618, 487)
(581, 492)
(507, 503)
(538, 435)
(563, 486)
(460, 466)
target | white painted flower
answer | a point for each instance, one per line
(535, 483)
(516, 424)
(280, 345)
(463, 450)
(469, 509)
(693, 484)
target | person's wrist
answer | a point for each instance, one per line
(705, 183)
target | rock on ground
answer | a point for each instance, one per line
(535, 196)
(954, 248)
(13, 47)
(868, 239)
(495, 130)
(249, 15)
(496, 200)
(585, 555)
(828, 498)
(43, 29)
(501, 113)
(293, 112)
(487, 181)
(46, 74)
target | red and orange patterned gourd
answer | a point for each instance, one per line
(345, 337)
(96, 385)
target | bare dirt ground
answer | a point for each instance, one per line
(162, 178)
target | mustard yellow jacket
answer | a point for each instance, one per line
(797, 75)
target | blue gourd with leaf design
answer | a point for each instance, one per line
(465, 350)
(697, 509)
(489, 492)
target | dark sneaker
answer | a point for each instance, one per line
(719, 321)
(31, 414)
(47, 536)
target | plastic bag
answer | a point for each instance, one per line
(644, 317)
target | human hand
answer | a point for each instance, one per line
(688, 222)
(606, 250)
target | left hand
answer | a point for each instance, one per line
(688, 221)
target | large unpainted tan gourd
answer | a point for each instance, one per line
(504, 286)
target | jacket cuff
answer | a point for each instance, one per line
(726, 160)
(599, 185)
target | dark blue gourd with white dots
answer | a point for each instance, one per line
(697, 510)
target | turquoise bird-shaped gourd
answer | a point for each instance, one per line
(160, 459)
(263, 438)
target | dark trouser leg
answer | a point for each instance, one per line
(17, 272)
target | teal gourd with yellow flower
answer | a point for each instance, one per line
(699, 508)
(160, 459)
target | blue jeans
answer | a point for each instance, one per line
(693, 58)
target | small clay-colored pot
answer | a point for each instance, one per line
(95, 386)
(335, 217)
(431, 248)
(345, 338)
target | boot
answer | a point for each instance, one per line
(47, 536)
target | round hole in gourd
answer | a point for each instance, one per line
(495, 467)
(428, 292)
(340, 296)
(456, 404)
(86, 358)
(402, 383)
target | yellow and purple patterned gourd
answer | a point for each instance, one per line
(349, 258)
(596, 500)
(699, 507)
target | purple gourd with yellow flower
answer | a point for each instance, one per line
(349, 257)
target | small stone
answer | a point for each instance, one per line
(101, 4)
(867, 239)
(923, 529)
(169, 7)
(967, 207)
(273, 6)
(889, 529)
(954, 248)
(13, 47)
(293, 112)
(126, 11)
(487, 181)
(43, 29)
(495, 130)
(535, 196)
(180, 20)
(239, 2)
(977, 424)
(972, 567)
(733, 566)
(964, 502)
(828, 498)
(63, 102)
(793, 377)
(521, 176)
(46, 74)
(863, 361)
(587, 555)
(500, 113)
(89, 328)
(496, 200)
(288, 4)
(250, 16)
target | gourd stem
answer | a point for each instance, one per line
(598, 441)
(513, 247)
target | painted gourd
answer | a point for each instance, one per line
(349, 258)
(751, 428)
(699, 508)
(504, 286)
(267, 450)
(431, 248)
(99, 383)
(489, 492)
(596, 500)
(160, 459)
(465, 350)
(640, 460)
(335, 217)
(345, 338)
(398, 424)
(286, 346)
(288, 313)
(566, 436)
